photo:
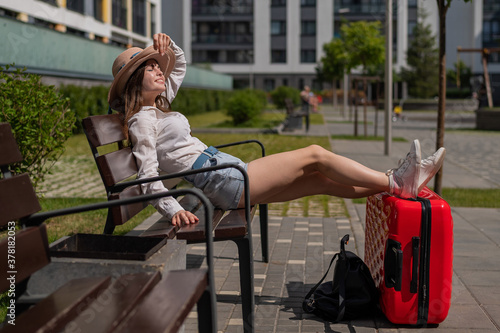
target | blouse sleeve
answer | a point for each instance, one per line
(143, 136)
(174, 81)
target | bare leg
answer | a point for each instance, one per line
(309, 171)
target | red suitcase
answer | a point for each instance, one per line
(409, 250)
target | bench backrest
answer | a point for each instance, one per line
(289, 106)
(25, 251)
(14, 189)
(115, 162)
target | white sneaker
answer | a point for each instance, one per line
(429, 167)
(404, 179)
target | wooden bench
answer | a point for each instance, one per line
(140, 302)
(293, 118)
(116, 164)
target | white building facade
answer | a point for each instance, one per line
(267, 43)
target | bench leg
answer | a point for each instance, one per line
(246, 282)
(264, 239)
(110, 224)
(207, 311)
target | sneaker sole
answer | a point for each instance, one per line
(418, 158)
(435, 169)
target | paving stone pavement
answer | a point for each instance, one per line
(301, 247)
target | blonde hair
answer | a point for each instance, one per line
(133, 97)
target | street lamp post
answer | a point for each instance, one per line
(388, 77)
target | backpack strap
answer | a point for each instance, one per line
(313, 289)
(309, 303)
(343, 273)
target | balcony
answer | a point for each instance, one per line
(210, 10)
(344, 7)
(243, 39)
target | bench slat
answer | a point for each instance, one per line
(104, 129)
(16, 190)
(57, 309)
(123, 213)
(9, 151)
(233, 225)
(195, 233)
(164, 309)
(161, 228)
(107, 165)
(109, 310)
(32, 254)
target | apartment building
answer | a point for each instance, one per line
(267, 43)
(76, 41)
(261, 44)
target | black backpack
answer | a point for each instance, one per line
(350, 295)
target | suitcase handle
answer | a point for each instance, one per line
(393, 265)
(414, 270)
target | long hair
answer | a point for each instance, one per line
(133, 100)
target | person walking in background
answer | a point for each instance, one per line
(305, 97)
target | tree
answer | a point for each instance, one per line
(443, 6)
(364, 44)
(333, 64)
(360, 44)
(422, 59)
(461, 75)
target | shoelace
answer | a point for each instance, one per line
(390, 172)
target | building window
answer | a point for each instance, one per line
(278, 56)
(278, 3)
(308, 28)
(278, 28)
(308, 56)
(153, 19)
(411, 27)
(268, 84)
(139, 17)
(491, 32)
(308, 3)
(98, 10)
(119, 13)
(412, 3)
(491, 6)
(75, 5)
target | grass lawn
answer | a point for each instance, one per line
(365, 138)
(268, 119)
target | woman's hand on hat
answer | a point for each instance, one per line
(161, 42)
(184, 217)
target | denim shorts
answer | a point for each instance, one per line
(222, 187)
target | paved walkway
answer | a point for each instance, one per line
(301, 248)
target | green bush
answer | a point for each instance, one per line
(244, 106)
(40, 119)
(91, 101)
(85, 101)
(190, 101)
(455, 93)
(279, 95)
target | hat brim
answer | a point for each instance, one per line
(166, 63)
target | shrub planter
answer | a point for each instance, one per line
(487, 119)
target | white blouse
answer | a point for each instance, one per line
(162, 140)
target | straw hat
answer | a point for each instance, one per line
(127, 62)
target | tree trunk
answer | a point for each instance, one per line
(442, 8)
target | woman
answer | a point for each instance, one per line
(145, 83)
